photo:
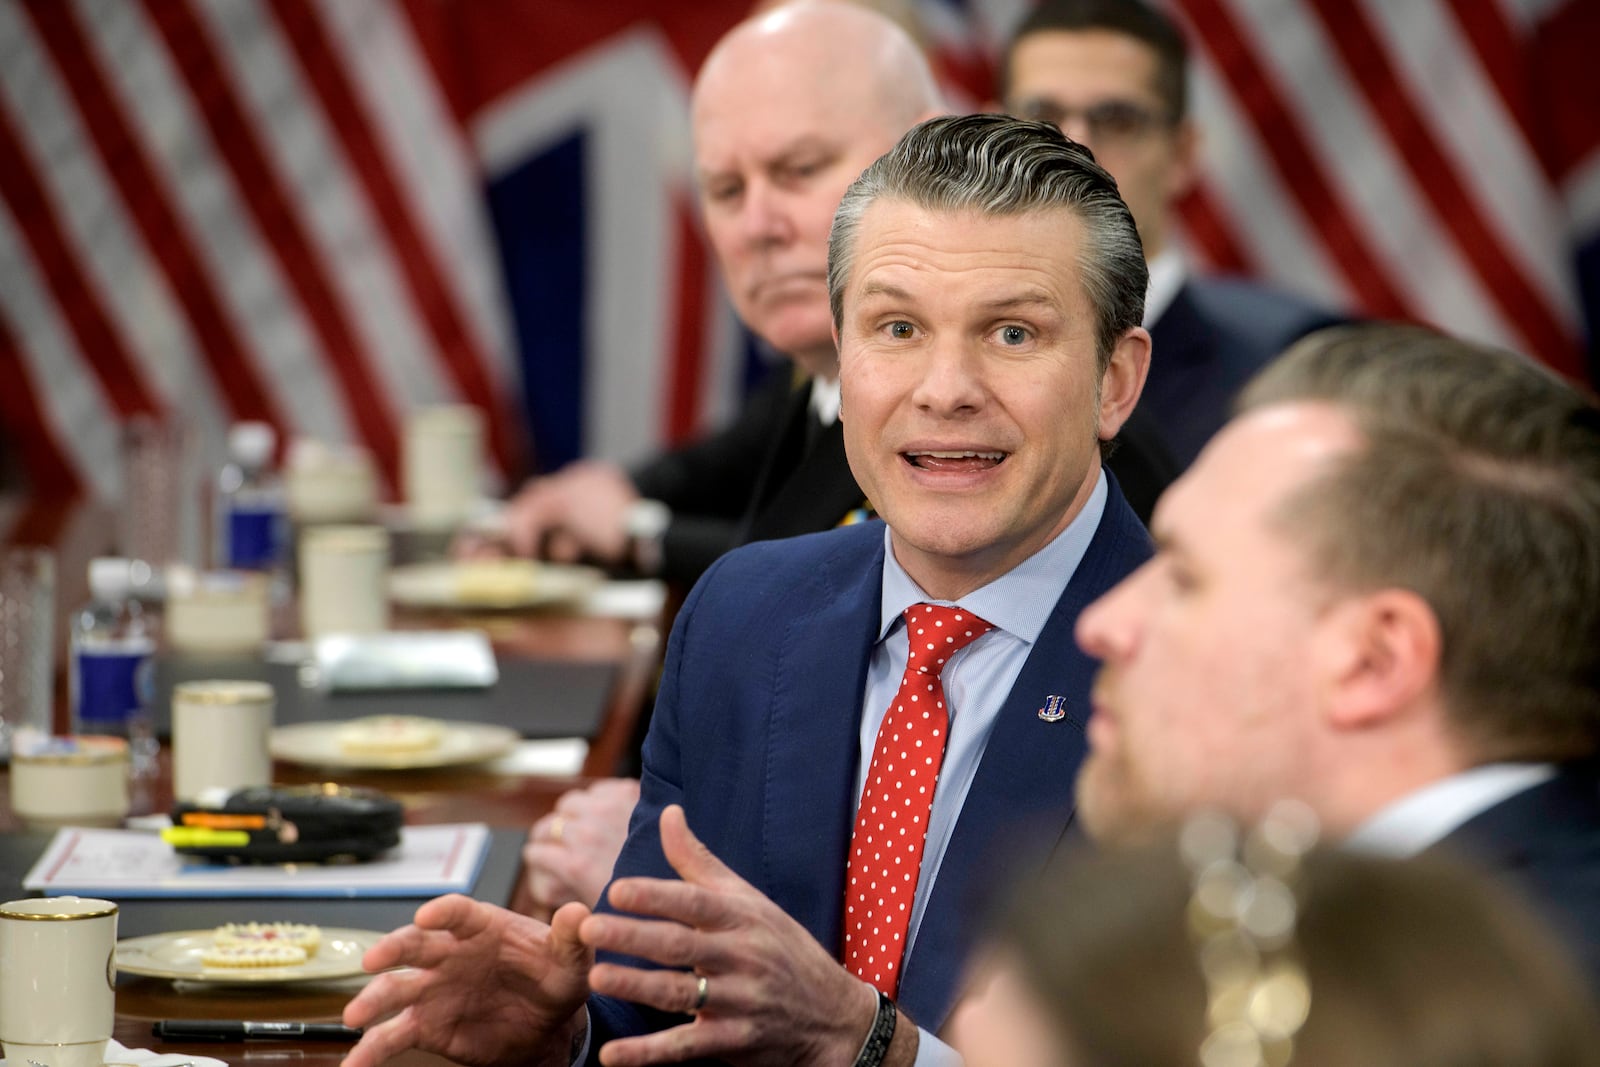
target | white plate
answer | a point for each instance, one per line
(316, 744)
(496, 584)
(177, 956)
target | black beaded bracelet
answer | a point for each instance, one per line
(876, 1047)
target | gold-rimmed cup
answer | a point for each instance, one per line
(221, 733)
(71, 781)
(57, 972)
(344, 580)
(442, 465)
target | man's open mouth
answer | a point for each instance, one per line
(962, 461)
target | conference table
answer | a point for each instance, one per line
(562, 674)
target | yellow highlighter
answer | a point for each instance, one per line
(203, 837)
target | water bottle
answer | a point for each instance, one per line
(113, 668)
(251, 525)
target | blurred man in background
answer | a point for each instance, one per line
(786, 111)
(1113, 74)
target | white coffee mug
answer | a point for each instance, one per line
(77, 781)
(57, 971)
(217, 612)
(443, 464)
(343, 580)
(220, 736)
(330, 483)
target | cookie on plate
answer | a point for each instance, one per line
(303, 936)
(390, 735)
(263, 954)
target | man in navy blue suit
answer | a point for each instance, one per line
(1378, 592)
(1113, 75)
(787, 110)
(986, 285)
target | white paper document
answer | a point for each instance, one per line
(131, 863)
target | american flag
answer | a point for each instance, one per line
(325, 213)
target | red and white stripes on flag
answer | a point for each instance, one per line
(1436, 160)
(221, 210)
(275, 209)
(1409, 146)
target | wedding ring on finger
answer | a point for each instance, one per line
(558, 826)
(702, 991)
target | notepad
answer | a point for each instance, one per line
(429, 860)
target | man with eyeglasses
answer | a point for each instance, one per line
(1112, 74)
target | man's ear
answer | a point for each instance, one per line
(1123, 380)
(1379, 657)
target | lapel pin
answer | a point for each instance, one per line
(1055, 708)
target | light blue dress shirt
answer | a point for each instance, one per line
(976, 681)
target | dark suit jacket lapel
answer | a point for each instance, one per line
(1178, 341)
(820, 673)
(1021, 801)
(816, 494)
(784, 452)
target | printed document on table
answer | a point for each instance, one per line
(429, 860)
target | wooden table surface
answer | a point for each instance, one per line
(460, 794)
(441, 796)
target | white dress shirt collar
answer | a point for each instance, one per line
(1425, 817)
(1168, 272)
(825, 400)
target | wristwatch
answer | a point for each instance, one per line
(645, 524)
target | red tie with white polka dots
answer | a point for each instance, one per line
(886, 850)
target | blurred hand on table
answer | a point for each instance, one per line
(579, 512)
(571, 851)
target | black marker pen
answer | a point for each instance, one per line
(223, 1030)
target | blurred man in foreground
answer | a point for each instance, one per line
(1377, 592)
(1356, 959)
(1113, 74)
(863, 726)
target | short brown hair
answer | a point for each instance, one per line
(1479, 490)
(1410, 963)
(1131, 18)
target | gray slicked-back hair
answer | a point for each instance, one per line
(1001, 166)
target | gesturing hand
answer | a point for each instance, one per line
(773, 994)
(486, 986)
